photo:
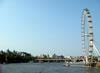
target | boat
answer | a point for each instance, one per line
(67, 64)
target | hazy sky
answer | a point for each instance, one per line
(45, 26)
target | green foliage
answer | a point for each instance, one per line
(15, 57)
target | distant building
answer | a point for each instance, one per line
(67, 57)
(54, 56)
(61, 57)
(98, 58)
(42, 56)
(24, 54)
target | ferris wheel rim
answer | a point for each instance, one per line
(86, 14)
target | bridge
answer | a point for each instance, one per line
(52, 60)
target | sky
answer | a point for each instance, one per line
(46, 26)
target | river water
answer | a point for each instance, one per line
(45, 68)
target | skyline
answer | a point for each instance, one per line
(45, 27)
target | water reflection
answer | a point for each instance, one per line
(0, 68)
(91, 70)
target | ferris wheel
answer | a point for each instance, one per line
(88, 34)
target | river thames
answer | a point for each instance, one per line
(46, 68)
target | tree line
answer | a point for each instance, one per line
(15, 57)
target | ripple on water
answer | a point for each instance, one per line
(46, 68)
